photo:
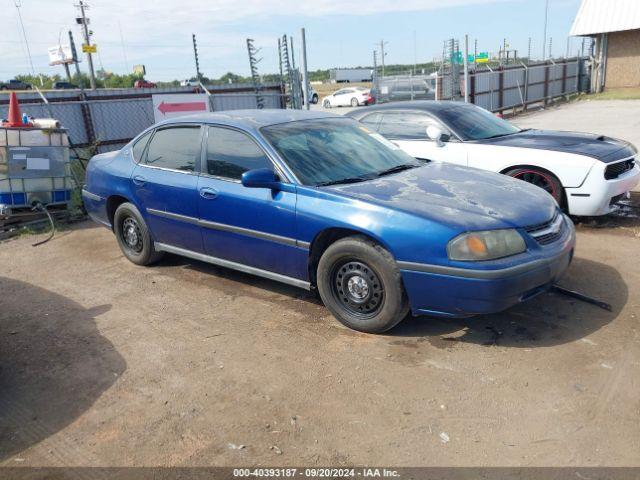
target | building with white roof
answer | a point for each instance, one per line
(615, 27)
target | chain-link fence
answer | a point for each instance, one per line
(108, 119)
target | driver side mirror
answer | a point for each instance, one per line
(261, 178)
(436, 134)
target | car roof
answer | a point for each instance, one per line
(251, 119)
(431, 106)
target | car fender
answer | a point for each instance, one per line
(570, 168)
(403, 234)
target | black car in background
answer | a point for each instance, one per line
(64, 86)
(14, 85)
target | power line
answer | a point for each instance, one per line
(26, 42)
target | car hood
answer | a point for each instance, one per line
(468, 198)
(605, 149)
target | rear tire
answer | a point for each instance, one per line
(314, 99)
(133, 235)
(540, 178)
(354, 102)
(359, 282)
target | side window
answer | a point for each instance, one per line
(138, 147)
(177, 148)
(231, 153)
(407, 125)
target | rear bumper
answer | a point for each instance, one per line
(455, 292)
(595, 195)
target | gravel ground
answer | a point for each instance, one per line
(106, 363)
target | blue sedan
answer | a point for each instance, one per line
(318, 201)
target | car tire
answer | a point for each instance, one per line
(326, 104)
(359, 282)
(540, 178)
(133, 236)
(354, 102)
(314, 99)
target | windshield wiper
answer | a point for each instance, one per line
(342, 180)
(397, 168)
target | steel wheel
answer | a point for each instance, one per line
(357, 288)
(132, 235)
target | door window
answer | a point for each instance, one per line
(231, 153)
(175, 148)
(408, 125)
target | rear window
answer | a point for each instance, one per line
(138, 147)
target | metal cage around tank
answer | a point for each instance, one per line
(34, 168)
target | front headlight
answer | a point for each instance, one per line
(487, 245)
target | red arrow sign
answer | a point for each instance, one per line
(182, 107)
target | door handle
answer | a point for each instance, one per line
(139, 180)
(208, 193)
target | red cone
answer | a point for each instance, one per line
(15, 117)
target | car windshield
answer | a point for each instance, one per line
(475, 123)
(335, 150)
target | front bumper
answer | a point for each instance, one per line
(595, 195)
(457, 292)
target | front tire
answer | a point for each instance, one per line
(134, 238)
(359, 282)
(314, 99)
(540, 178)
(326, 104)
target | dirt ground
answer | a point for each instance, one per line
(106, 363)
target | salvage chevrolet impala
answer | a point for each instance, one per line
(320, 202)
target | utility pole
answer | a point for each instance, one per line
(529, 52)
(87, 40)
(375, 72)
(74, 56)
(546, 17)
(550, 42)
(195, 54)
(568, 47)
(305, 74)
(382, 54)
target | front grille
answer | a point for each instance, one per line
(616, 169)
(548, 232)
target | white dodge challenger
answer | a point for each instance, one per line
(586, 173)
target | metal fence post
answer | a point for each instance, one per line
(466, 68)
(501, 89)
(545, 94)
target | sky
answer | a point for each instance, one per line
(339, 33)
